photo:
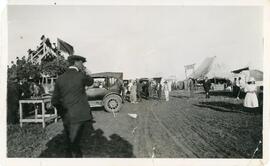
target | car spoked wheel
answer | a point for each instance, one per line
(112, 103)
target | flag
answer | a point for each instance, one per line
(187, 67)
(64, 46)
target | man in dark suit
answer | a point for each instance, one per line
(191, 87)
(207, 87)
(70, 100)
(139, 90)
(159, 90)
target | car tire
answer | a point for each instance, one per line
(112, 103)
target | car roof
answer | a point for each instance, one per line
(118, 75)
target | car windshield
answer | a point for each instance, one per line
(109, 82)
(99, 83)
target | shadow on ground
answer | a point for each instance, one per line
(224, 94)
(98, 109)
(221, 106)
(212, 93)
(94, 145)
(180, 97)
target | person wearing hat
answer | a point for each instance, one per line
(207, 87)
(191, 87)
(251, 100)
(70, 100)
(133, 92)
(166, 90)
(159, 89)
(139, 90)
(150, 89)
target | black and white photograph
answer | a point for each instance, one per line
(135, 81)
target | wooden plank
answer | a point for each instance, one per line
(43, 114)
(38, 118)
(31, 120)
(50, 118)
(55, 113)
(46, 115)
(21, 113)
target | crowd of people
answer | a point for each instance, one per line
(192, 85)
(135, 90)
(248, 88)
(240, 89)
(70, 99)
(18, 90)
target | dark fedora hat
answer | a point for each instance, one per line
(73, 58)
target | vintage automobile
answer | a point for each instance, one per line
(106, 91)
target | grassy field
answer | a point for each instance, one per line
(184, 127)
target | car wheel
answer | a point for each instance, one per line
(112, 103)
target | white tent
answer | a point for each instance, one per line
(211, 68)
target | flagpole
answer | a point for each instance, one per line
(186, 72)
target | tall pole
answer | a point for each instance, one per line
(186, 72)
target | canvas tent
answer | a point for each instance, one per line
(256, 74)
(211, 68)
(214, 69)
(246, 73)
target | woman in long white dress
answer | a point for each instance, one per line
(251, 100)
(133, 94)
(166, 90)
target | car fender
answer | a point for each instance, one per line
(111, 93)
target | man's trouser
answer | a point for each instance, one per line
(159, 94)
(139, 95)
(207, 93)
(234, 91)
(191, 93)
(237, 94)
(73, 133)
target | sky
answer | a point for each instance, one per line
(143, 41)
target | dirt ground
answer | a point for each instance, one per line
(183, 127)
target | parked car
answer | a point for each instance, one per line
(106, 91)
